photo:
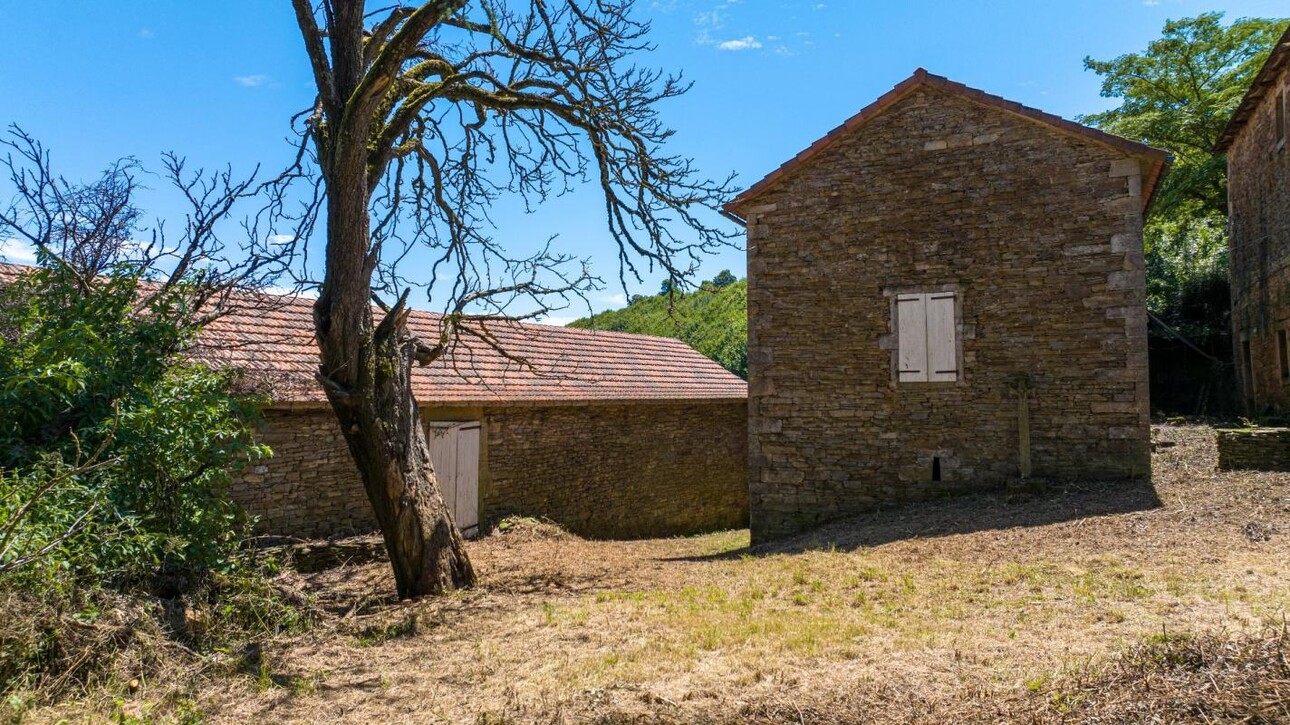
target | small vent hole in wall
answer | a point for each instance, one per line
(936, 468)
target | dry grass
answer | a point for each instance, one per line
(1091, 603)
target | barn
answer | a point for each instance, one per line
(945, 293)
(609, 434)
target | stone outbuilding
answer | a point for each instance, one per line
(945, 292)
(606, 433)
(1258, 201)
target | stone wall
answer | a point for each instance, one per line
(1259, 449)
(620, 471)
(1258, 193)
(310, 487)
(643, 469)
(1037, 232)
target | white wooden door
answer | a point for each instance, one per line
(454, 453)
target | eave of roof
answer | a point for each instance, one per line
(1157, 158)
(1277, 61)
(273, 342)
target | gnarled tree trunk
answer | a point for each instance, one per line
(382, 423)
(366, 368)
(426, 113)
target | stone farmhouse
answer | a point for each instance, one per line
(606, 433)
(1258, 200)
(945, 292)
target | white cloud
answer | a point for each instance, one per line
(281, 238)
(146, 33)
(715, 18)
(253, 81)
(16, 251)
(557, 320)
(747, 42)
(712, 19)
(309, 293)
(619, 299)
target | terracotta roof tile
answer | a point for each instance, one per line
(564, 365)
(1157, 158)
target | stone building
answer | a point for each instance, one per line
(1258, 200)
(945, 285)
(606, 433)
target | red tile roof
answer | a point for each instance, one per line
(1156, 158)
(1266, 79)
(565, 365)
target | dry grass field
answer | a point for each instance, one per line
(1088, 603)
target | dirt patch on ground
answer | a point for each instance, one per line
(977, 608)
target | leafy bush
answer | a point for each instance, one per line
(1186, 260)
(115, 451)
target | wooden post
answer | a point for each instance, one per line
(1023, 428)
(1021, 385)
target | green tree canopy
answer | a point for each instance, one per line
(1179, 94)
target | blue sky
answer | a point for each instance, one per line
(216, 82)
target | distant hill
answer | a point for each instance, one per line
(712, 319)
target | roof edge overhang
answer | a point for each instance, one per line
(1277, 60)
(323, 405)
(1153, 160)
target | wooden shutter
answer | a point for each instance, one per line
(911, 334)
(942, 352)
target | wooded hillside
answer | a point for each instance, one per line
(712, 319)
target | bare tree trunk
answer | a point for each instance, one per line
(388, 444)
(545, 95)
(366, 370)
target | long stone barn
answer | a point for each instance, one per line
(609, 434)
(946, 292)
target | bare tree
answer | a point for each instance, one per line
(426, 114)
(96, 228)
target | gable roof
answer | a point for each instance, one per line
(274, 343)
(1277, 60)
(1155, 158)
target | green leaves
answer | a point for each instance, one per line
(712, 319)
(114, 451)
(1179, 94)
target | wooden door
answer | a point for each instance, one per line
(454, 453)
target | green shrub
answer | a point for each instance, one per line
(114, 451)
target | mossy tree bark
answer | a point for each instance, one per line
(426, 114)
(366, 366)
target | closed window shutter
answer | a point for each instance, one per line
(911, 320)
(942, 357)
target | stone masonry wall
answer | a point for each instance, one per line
(1258, 449)
(646, 469)
(1258, 190)
(310, 487)
(1038, 232)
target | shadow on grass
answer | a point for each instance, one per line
(960, 514)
